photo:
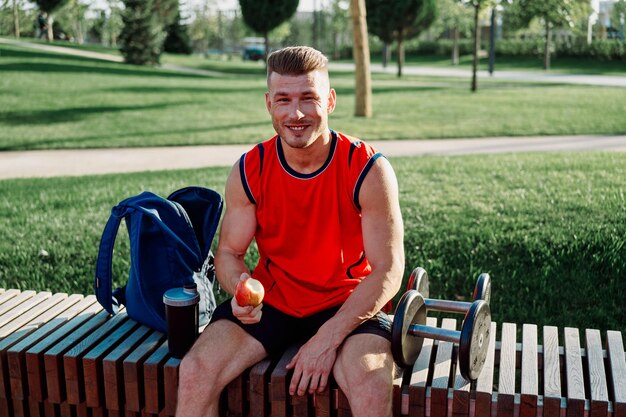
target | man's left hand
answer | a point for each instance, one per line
(312, 366)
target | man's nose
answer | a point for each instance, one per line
(294, 110)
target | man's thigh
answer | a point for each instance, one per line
(226, 350)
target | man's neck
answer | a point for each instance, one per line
(311, 158)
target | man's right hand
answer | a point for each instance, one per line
(246, 314)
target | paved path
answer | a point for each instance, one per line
(533, 76)
(19, 164)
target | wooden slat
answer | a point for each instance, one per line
(279, 390)
(21, 327)
(258, 391)
(551, 372)
(597, 375)
(461, 394)
(93, 365)
(7, 295)
(441, 374)
(133, 371)
(484, 385)
(236, 396)
(325, 402)
(170, 385)
(153, 379)
(343, 406)
(35, 355)
(574, 374)
(506, 382)
(16, 355)
(530, 372)
(53, 357)
(113, 368)
(14, 303)
(419, 375)
(72, 359)
(617, 363)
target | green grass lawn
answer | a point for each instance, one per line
(549, 228)
(51, 101)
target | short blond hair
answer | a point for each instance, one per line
(296, 60)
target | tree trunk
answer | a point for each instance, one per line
(476, 47)
(455, 46)
(546, 51)
(361, 53)
(400, 53)
(50, 32)
(386, 54)
(267, 46)
(16, 19)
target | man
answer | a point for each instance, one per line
(316, 202)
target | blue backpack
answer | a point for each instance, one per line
(170, 246)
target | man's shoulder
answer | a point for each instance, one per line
(355, 145)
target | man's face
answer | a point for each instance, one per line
(299, 106)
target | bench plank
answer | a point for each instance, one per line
(72, 359)
(258, 391)
(597, 376)
(14, 302)
(419, 375)
(153, 379)
(35, 369)
(20, 327)
(506, 382)
(279, 387)
(484, 385)
(7, 295)
(53, 357)
(574, 374)
(461, 394)
(236, 395)
(113, 368)
(16, 355)
(170, 385)
(530, 371)
(551, 372)
(133, 371)
(91, 386)
(441, 374)
(617, 363)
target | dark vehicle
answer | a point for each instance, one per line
(253, 53)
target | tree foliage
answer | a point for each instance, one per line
(142, 37)
(264, 15)
(177, 40)
(399, 20)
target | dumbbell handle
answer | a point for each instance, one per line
(446, 335)
(447, 305)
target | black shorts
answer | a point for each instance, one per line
(277, 330)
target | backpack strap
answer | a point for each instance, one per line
(103, 281)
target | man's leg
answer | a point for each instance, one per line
(220, 354)
(364, 372)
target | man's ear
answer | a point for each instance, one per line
(332, 100)
(268, 101)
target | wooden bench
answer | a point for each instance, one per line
(61, 355)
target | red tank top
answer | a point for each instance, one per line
(308, 225)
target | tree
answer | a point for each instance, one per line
(264, 15)
(177, 40)
(48, 7)
(553, 13)
(400, 20)
(457, 20)
(361, 54)
(142, 35)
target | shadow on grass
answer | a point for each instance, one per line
(186, 90)
(73, 114)
(85, 141)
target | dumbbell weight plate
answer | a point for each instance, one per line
(482, 290)
(474, 343)
(419, 281)
(404, 346)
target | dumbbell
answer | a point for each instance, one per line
(419, 281)
(409, 326)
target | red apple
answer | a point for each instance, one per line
(249, 292)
